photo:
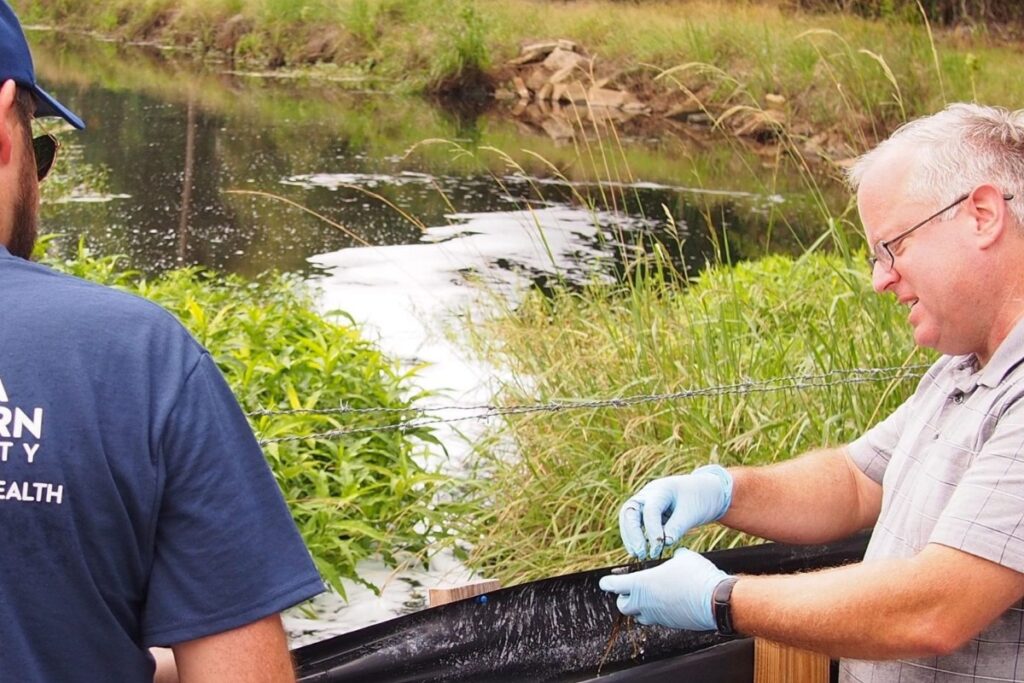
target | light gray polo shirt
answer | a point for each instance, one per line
(951, 464)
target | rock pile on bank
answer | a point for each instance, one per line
(555, 85)
(559, 71)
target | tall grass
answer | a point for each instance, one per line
(554, 507)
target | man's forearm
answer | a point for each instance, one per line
(254, 653)
(846, 612)
(926, 605)
(816, 498)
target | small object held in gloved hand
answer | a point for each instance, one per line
(665, 509)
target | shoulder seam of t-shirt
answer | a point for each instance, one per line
(203, 353)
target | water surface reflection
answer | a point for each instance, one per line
(170, 140)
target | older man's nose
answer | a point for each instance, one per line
(882, 278)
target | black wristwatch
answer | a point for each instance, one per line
(721, 606)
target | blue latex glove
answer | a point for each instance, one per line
(665, 509)
(676, 593)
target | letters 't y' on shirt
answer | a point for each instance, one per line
(951, 464)
(136, 507)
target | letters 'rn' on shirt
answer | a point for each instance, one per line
(951, 463)
(136, 507)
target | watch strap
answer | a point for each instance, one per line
(721, 606)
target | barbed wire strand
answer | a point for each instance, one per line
(487, 411)
(348, 410)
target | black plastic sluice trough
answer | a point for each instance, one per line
(556, 629)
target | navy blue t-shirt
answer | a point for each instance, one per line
(136, 507)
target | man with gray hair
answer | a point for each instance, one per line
(941, 480)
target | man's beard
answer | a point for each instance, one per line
(25, 227)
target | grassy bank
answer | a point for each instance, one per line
(724, 54)
(554, 508)
(351, 495)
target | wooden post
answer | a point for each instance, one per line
(775, 663)
(442, 596)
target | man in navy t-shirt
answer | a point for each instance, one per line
(136, 508)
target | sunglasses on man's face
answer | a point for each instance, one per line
(45, 148)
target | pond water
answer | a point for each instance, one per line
(184, 163)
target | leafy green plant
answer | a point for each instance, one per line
(351, 495)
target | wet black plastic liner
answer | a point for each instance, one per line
(554, 630)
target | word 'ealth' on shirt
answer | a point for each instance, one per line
(19, 425)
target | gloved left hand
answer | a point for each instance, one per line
(676, 593)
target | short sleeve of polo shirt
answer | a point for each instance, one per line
(872, 451)
(226, 550)
(985, 514)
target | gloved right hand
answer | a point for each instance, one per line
(676, 593)
(665, 509)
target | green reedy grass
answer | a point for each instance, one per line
(351, 496)
(414, 45)
(553, 509)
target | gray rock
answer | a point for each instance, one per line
(573, 92)
(603, 97)
(561, 75)
(560, 59)
(545, 46)
(534, 52)
(521, 89)
(537, 78)
(636, 107)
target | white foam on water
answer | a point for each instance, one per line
(333, 181)
(410, 300)
(77, 196)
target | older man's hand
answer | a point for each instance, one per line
(676, 593)
(665, 509)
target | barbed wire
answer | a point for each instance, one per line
(910, 370)
(487, 411)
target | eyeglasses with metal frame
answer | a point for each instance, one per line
(882, 254)
(45, 149)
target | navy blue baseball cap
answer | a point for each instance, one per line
(16, 64)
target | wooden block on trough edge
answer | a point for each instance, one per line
(442, 596)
